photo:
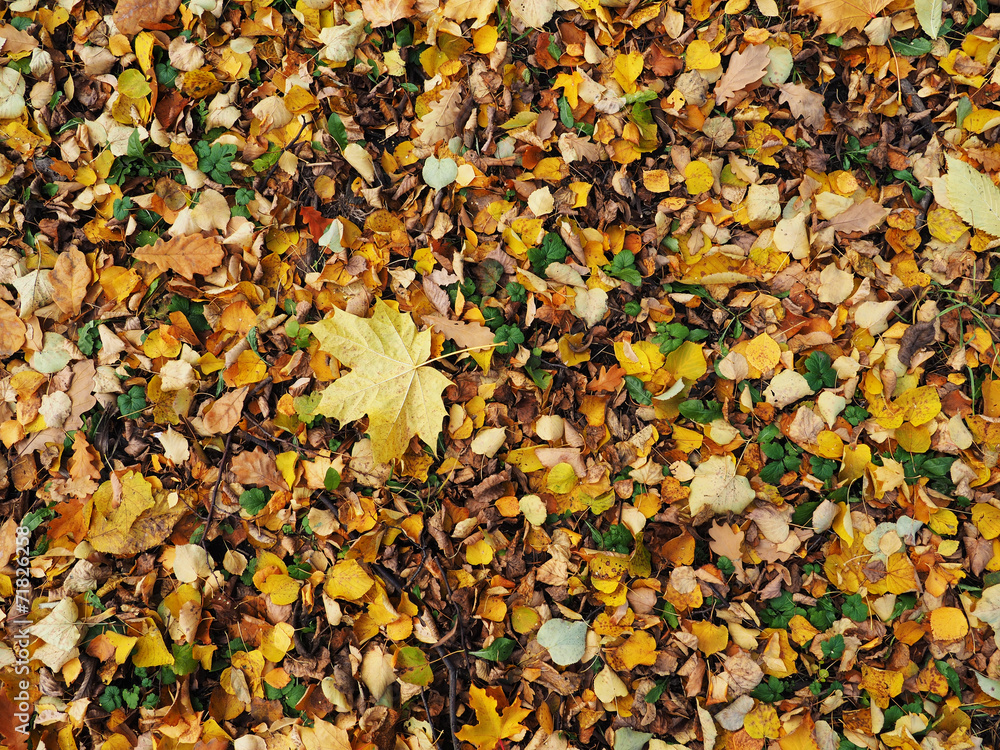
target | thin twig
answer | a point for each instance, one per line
(215, 489)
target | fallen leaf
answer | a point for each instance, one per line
(132, 16)
(492, 727)
(390, 381)
(717, 486)
(745, 70)
(187, 255)
(838, 16)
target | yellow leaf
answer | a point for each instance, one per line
(698, 177)
(274, 644)
(491, 726)
(627, 69)
(987, 519)
(948, 624)
(762, 722)
(142, 519)
(687, 361)
(882, 684)
(712, 638)
(480, 553)
(763, 353)
(802, 630)
(561, 479)
(640, 648)
(641, 359)
(699, 56)
(389, 380)
(150, 650)
(347, 580)
(123, 644)
(656, 180)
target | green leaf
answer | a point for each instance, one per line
(913, 48)
(552, 250)
(565, 113)
(254, 500)
(499, 650)
(89, 338)
(855, 608)
(698, 411)
(335, 127)
(950, 675)
(637, 390)
(131, 403)
(412, 667)
(833, 648)
(332, 479)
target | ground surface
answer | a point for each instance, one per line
(543, 375)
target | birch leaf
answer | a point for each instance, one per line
(929, 16)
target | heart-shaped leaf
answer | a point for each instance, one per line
(440, 173)
(565, 640)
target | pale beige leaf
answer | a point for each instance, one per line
(973, 196)
(716, 485)
(441, 123)
(466, 335)
(385, 12)
(187, 255)
(746, 69)
(132, 16)
(838, 16)
(69, 278)
(389, 381)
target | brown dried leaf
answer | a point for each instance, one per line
(132, 16)
(13, 41)
(222, 416)
(441, 122)
(914, 339)
(186, 255)
(809, 105)
(466, 335)
(12, 330)
(838, 16)
(862, 217)
(258, 468)
(745, 71)
(70, 278)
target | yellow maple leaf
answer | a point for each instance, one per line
(389, 380)
(492, 726)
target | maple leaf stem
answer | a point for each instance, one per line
(459, 351)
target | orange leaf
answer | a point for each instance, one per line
(838, 16)
(69, 278)
(186, 255)
(132, 16)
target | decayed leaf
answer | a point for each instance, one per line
(187, 255)
(973, 196)
(491, 726)
(132, 16)
(838, 16)
(716, 485)
(389, 379)
(138, 519)
(385, 12)
(746, 69)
